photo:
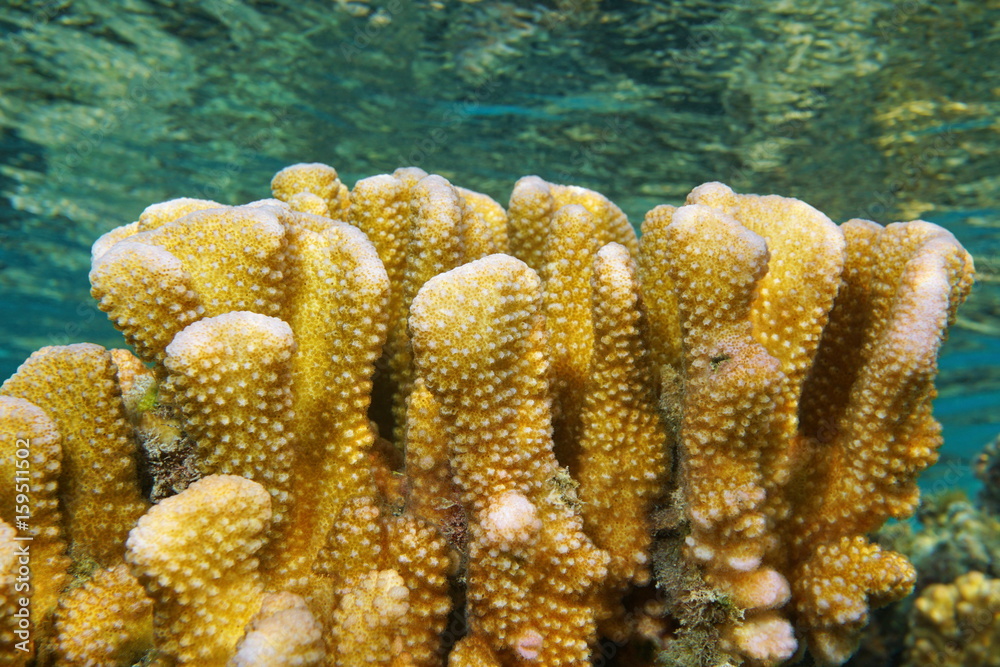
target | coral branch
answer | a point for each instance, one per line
(195, 555)
(107, 621)
(76, 386)
(480, 347)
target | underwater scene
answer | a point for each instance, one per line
(500, 332)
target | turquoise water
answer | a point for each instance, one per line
(878, 109)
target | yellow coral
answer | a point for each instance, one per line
(835, 587)
(957, 624)
(473, 651)
(153, 217)
(199, 260)
(901, 289)
(365, 620)
(312, 188)
(806, 257)
(77, 388)
(902, 285)
(795, 366)
(658, 293)
(30, 463)
(778, 505)
(338, 297)
(479, 344)
(568, 256)
(624, 458)
(136, 382)
(534, 202)
(390, 579)
(731, 389)
(195, 555)
(486, 224)
(432, 493)
(230, 376)
(106, 621)
(421, 226)
(325, 282)
(284, 633)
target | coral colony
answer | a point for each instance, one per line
(401, 425)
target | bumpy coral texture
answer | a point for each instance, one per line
(30, 463)
(421, 225)
(195, 553)
(245, 429)
(531, 566)
(273, 382)
(533, 205)
(312, 188)
(284, 633)
(76, 387)
(808, 361)
(391, 606)
(416, 448)
(623, 460)
(85, 429)
(956, 624)
(106, 621)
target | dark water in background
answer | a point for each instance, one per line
(876, 109)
